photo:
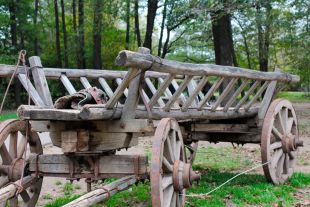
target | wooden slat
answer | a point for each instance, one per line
(121, 88)
(178, 92)
(85, 82)
(167, 91)
(210, 93)
(119, 82)
(153, 90)
(40, 80)
(160, 90)
(35, 97)
(257, 95)
(197, 90)
(235, 95)
(68, 85)
(246, 96)
(200, 94)
(267, 99)
(106, 87)
(227, 90)
(176, 87)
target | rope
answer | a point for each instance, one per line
(229, 180)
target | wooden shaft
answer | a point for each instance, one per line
(35, 97)
(246, 96)
(258, 94)
(68, 85)
(235, 95)
(198, 89)
(210, 93)
(132, 59)
(227, 90)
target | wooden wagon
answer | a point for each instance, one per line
(177, 103)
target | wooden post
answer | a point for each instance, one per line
(40, 80)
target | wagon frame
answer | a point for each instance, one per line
(165, 99)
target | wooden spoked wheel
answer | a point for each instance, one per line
(279, 141)
(170, 172)
(13, 143)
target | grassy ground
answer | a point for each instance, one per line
(295, 96)
(8, 115)
(219, 165)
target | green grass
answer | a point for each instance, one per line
(6, 116)
(62, 201)
(295, 96)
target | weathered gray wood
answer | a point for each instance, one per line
(224, 94)
(85, 82)
(178, 93)
(119, 82)
(176, 87)
(239, 138)
(247, 94)
(40, 80)
(35, 97)
(197, 90)
(220, 128)
(167, 91)
(200, 94)
(160, 90)
(235, 95)
(267, 100)
(153, 90)
(210, 93)
(132, 59)
(68, 85)
(258, 94)
(101, 194)
(106, 87)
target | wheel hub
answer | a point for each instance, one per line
(290, 143)
(183, 175)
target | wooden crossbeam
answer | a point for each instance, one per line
(35, 97)
(153, 90)
(235, 95)
(247, 95)
(85, 82)
(106, 87)
(258, 94)
(68, 85)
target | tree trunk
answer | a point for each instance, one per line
(81, 54)
(97, 28)
(35, 20)
(166, 45)
(127, 24)
(57, 35)
(162, 28)
(223, 42)
(137, 26)
(13, 31)
(151, 14)
(76, 48)
(263, 36)
(64, 30)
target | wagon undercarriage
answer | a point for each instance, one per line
(178, 104)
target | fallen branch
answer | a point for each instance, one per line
(103, 193)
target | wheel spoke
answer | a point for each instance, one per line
(21, 147)
(291, 155)
(275, 159)
(173, 199)
(167, 181)
(280, 165)
(168, 193)
(289, 124)
(280, 120)
(6, 158)
(178, 150)
(275, 145)
(286, 164)
(3, 180)
(13, 144)
(173, 143)
(276, 133)
(167, 164)
(170, 152)
(24, 194)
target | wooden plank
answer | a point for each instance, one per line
(160, 90)
(227, 90)
(153, 90)
(258, 94)
(267, 100)
(220, 128)
(132, 59)
(66, 82)
(235, 95)
(69, 141)
(85, 82)
(178, 93)
(210, 93)
(35, 97)
(247, 94)
(106, 87)
(40, 81)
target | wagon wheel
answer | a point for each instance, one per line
(191, 150)
(12, 145)
(170, 172)
(279, 141)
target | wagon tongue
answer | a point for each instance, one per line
(183, 175)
